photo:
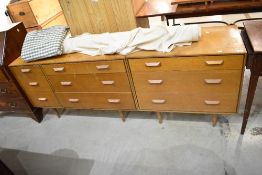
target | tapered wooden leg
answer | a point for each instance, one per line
(160, 117)
(37, 114)
(123, 115)
(214, 119)
(57, 113)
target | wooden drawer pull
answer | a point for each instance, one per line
(42, 99)
(113, 100)
(59, 69)
(33, 83)
(215, 62)
(153, 64)
(66, 83)
(209, 102)
(155, 81)
(158, 101)
(102, 67)
(25, 70)
(213, 81)
(12, 105)
(108, 82)
(73, 100)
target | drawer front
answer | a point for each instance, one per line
(214, 103)
(187, 63)
(22, 12)
(96, 100)
(198, 82)
(24, 71)
(100, 67)
(85, 67)
(8, 90)
(43, 99)
(57, 69)
(13, 104)
(115, 82)
(33, 83)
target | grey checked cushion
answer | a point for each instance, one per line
(44, 43)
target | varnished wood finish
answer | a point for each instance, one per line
(113, 82)
(160, 117)
(188, 102)
(189, 81)
(214, 119)
(182, 63)
(100, 16)
(44, 99)
(253, 31)
(33, 12)
(164, 7)
(112, 101)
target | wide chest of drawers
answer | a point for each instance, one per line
(202, 78)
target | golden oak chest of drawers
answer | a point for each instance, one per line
(205, 77)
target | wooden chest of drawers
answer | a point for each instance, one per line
(11, 96)
(193, 79)
(36, 14)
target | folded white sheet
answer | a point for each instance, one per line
(159, 38)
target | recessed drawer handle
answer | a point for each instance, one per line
(33, 83)
(153, 64)
(215, 62)
(113, 100)
(42, 99)
(213, 81)
(66, 83)
(102, 67)
(155, 81)
(73, 100)
(3, 91)
(209, 102)
(21, 13)
(158, 101)
(59, 69)
(25, 70)
(108, 82)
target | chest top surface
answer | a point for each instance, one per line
(254, 32)
(214, 41)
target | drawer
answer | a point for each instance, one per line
(96, 100)
(8, 90)
(24, 71)
(206, 103)
(111, 82)
(43, 99)
(33, 83)
(100, 67)
(198, 82)
(13, 104)
(187, 63)
(85, 67)
(57, 69)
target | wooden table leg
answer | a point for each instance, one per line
(123, 115)
(214, 119)
(160, 117)
(37, 114)
(256, 69)
(57, 113)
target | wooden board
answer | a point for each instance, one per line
(100, 16)
(190, 1)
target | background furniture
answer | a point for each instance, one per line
(252, 35)
(36, 14)
(102, 16)
(203, 78)
(11, 96)
(164, 8)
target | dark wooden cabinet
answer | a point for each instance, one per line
(12, 98)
